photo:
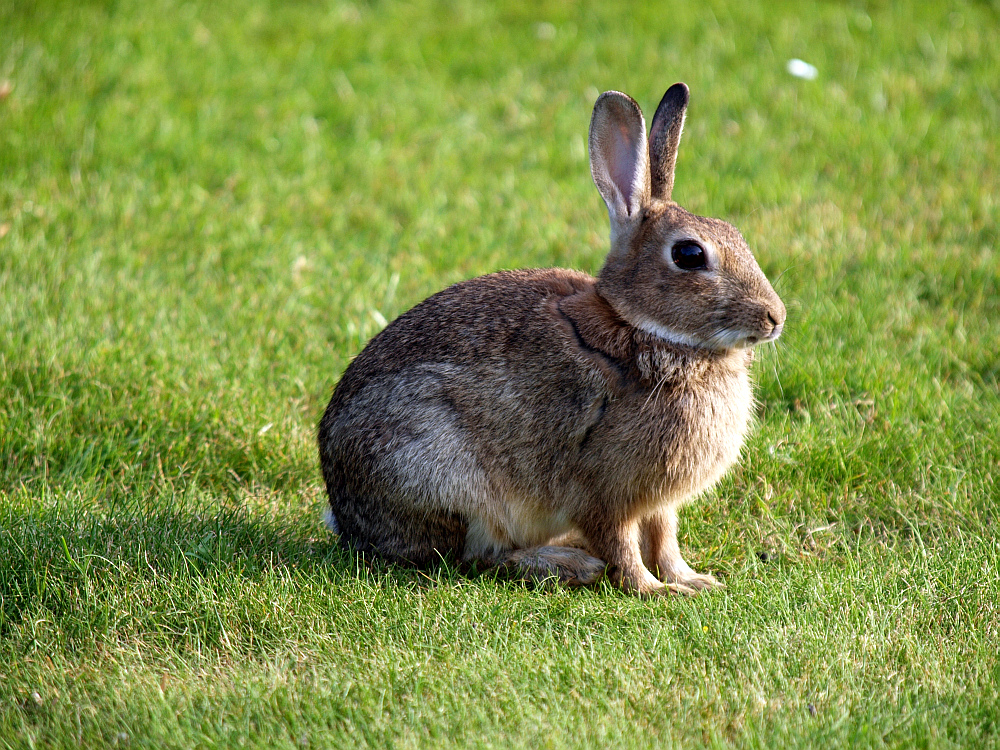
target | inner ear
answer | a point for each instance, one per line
(664, 139)
(624, 163)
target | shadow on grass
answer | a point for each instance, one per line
(83, 569)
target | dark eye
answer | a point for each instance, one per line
(689, 256)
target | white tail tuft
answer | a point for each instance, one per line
(331, 520)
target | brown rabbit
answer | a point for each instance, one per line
(551, 422)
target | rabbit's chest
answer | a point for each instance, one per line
(692, 426)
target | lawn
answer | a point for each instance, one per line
(206, 209)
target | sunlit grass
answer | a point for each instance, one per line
(207, 209)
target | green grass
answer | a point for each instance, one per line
(207, 208)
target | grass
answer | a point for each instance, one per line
(207, 208)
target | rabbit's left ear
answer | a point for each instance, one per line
(664, 137)
(619, 159)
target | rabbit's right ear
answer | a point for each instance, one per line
(619, 159)
(664, 138)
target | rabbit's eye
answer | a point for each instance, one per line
(689, 256)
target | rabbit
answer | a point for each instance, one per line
(552, 424)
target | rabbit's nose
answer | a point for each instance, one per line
(778, 325)
(777, 314)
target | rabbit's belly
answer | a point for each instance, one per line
(512, 525)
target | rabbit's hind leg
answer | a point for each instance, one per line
(400, 533)
(569, 566)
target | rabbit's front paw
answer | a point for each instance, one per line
(695, 582)
(674, 571)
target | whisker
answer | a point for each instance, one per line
(784, 271)
(774, 368)
(662, 380)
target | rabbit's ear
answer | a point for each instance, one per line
(619, 159)
(664, 137)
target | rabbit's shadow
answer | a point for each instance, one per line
(58, 555)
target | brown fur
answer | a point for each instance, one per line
(552, 422)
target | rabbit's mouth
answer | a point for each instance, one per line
(776, 328)
(754, 340)
(750, 340)
(736, 339)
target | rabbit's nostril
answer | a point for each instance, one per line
(773, 320)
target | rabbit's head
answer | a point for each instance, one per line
(688, 279)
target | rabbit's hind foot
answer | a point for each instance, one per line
(568, 565)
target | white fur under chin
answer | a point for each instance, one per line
(331, 520)
(668, 334)
(729, 339)
(724, 340)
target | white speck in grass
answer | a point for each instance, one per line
(202, 36)
(378, 318)
(350, 14)
(299, 267)
(802, 69)
(879, 101)
(545, 31)
(263, 430)
(343, 86)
